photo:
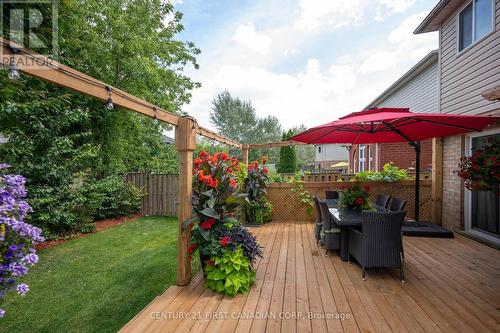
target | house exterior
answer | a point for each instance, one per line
(417, 89)
(328, 155)
(469, 67)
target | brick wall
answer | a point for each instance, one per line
(453, 149)
(403, 155)
(400, 153)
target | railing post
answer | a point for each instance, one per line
(185, 144)
(437, 181)
(246, 149)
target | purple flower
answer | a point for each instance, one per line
(31, 258)
(4, 166)
(18, 269)
(2, 313)
(22, 289)
(13, 247)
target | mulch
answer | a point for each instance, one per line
(100, 226)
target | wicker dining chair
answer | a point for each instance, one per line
(397, 205)
(382, 200)
(318, 226)
(379, 242)
(330, 234)
(332, 195)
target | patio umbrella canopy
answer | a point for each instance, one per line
(384, 125)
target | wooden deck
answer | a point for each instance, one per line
(451, 285)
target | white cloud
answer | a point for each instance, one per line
(397, 6)
(247, 36)
(378, 61)
(340, 13)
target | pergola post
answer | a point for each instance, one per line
(246, 149)
(437, 180)
(185, 143)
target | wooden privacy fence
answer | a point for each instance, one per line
(287, 207)
(161, 190)
(337, 176)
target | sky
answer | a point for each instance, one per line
(303, 61)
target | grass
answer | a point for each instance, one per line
(96, 283)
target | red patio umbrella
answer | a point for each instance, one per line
(382, 125)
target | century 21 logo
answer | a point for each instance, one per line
(31, 24)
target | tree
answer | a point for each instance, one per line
(59, 139)
(288, 158)
(305, 153)
(237, 119)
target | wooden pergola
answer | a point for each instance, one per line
(186, 127)
(186, 130)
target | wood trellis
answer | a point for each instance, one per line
(186, 128)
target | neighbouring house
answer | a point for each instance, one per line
(329, 154)
(468, 69)
(417, 89)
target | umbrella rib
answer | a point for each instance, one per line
(398, 132)
(449, 125)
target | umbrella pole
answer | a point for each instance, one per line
(416, 146)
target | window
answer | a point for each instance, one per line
(362, 158)
(474, 22)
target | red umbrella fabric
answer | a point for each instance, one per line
(385, 125)
(392, 125)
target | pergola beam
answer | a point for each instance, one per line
(276, 144)
(64, 76)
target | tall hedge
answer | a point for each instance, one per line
(288, 156)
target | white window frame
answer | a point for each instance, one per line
(362, 158)
(457, 25)
(370, 157)
(468, 193)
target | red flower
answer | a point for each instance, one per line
(367, 188)
(224, 157)
(232, 182)
(225, 241)
(207, 224)
(191, 248)
(198, 161)
(203, 155)
(359, 201)
(264, 159)
(200, 175)
(265, 170)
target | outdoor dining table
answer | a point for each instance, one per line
(346, 218)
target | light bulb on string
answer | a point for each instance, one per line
(155, 116)
(109, 103)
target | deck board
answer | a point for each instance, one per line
(451, 285)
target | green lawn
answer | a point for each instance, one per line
(96, 283)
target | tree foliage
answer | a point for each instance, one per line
(288, 156)
(237, 119)
(58, 139)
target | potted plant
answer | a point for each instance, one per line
(355, 197)
(257, 207)
(481, 170)
(227, 250)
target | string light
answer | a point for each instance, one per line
(14, 70)
(155, 116)
(109, 103)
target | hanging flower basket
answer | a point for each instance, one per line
(481, 170)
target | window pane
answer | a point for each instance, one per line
(465, 27)
(483, 17)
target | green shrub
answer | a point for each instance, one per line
(390, 173)
(107, 198)
(230, 274)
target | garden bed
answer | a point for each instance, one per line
(99, 226)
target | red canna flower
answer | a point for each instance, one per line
(191, 248)
(232, 183)
(359, 201)
(225, 241)
(265, 170)
(264, 159)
